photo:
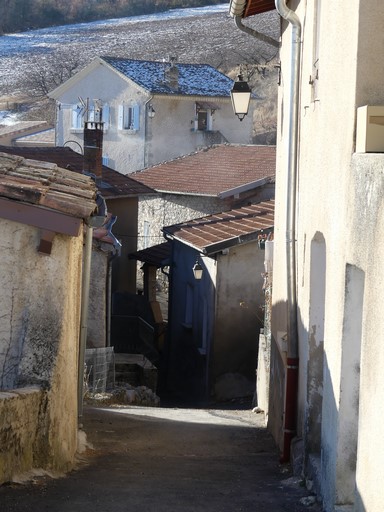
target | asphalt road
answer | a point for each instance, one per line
(167, 460)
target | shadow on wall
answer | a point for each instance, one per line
(321, 456)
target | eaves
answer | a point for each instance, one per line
(244, 188)
(40, 217)
(98, 61)
(210, 250)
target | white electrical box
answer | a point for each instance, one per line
(370, 129)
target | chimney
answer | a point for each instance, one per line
(93, 147)
(172, 73)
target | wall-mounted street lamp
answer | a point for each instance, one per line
(151, 111)
(197, 270)
(241, 96)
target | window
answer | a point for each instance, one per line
(92, 113)
(204, 120)
(77, 117)
(129, 117)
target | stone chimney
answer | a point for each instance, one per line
(93, 147)
(172, 73)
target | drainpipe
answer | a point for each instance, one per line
(292, 334)
(84, 315)
(146, 119)
(95, 221)
(254, 33)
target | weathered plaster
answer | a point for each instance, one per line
(167, 135)
(345, 203)
(39, 333)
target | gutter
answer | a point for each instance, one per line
(291, 388)
(236, 10)
(248, 30)
(94, 221)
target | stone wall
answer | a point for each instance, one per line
(20, 432)
(39, 333)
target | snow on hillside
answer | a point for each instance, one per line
(196, 35)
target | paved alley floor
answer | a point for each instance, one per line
(167, 460)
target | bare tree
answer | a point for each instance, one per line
(46, 73)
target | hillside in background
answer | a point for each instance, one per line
(20, 15)
(35, 61)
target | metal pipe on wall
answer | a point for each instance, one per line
(290, 409)
(86, 279)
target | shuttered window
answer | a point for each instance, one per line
(77, 117)
(129, 117)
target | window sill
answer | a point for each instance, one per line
(128, 131)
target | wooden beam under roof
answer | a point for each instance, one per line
(246, 8)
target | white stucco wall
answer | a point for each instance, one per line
(338, 205)
(239, 316)
(39, 332)
(170, 133)
(125, 148)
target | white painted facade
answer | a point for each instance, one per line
(340, 254)
(133, 139)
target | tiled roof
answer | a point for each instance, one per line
(193, 79)
(211, 171)
(216, 232)
(157, 255)
(41, 137)
(113, 184)
(47, 185)
(22, 126)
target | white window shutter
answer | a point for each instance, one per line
(91, 114)
(209, 121)
(105, 116)
(120, 118)
(136, 117)
(76, 117)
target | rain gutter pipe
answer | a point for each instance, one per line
(84, 315)
(291, 389)
(255, 33)
(94, 221)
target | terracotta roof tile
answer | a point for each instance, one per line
(47, 185)
(216, 232)
(211, 171)
(18, 128)
(113, 184)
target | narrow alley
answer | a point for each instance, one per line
(168, 460)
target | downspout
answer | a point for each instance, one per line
(84, 315)
(292, 331)
(254, 33)
(94, 221)
(146, 121)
